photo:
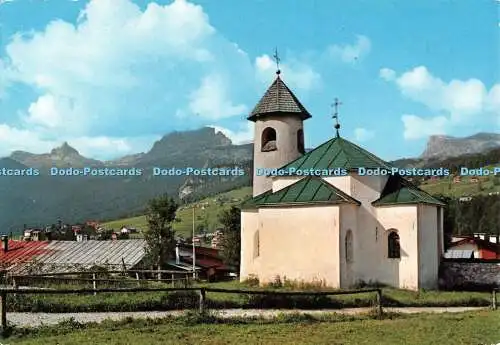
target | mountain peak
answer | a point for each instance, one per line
(64, 150)
(443, 146)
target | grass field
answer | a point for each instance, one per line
(421, 329)
(206, 213)
(149, 301)
(446, 186)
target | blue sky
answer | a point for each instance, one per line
(112, 76)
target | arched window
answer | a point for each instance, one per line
(393, 246)
(268, 142)
(300, 141)
(348, 247)
(256, 244)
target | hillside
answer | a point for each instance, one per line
(206, 213)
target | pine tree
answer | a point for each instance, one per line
(160, 236)
(231, 242)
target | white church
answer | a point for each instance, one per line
(334, 230)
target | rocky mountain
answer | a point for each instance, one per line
(441, 146)
(63, 156)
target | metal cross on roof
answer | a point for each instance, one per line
(335, 115)
(277, 60)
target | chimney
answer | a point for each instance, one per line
(5, 243)
(177, 256)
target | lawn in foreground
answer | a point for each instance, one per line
(466, 328)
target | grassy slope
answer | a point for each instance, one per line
(465, 187)
(465, 328)
(207, 215)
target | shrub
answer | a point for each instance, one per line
(252, 280)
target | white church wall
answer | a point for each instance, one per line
(249, 225)
(365, 189)
(285, 181)
(401, 272)
(428, 243)
(341, 182)
(348, 222)
(300, 243)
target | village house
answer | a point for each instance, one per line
(335, 229)
(478, 246)
(19, 257)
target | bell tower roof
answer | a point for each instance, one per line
(278, 99)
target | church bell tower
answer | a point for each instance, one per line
(278, 131)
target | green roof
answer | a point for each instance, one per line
(337, 153)
(399, 191)
(279, 99)
(307, 191)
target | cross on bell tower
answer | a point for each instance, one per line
(277, 60)
(335, 107)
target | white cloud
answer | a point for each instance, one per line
(298, 75)
(416, 127)
(20, 139)
(363, 134)
(100, 147)
(242, 136)
(458, 102)
(387, 74)
(210, 100)
(351, 52)
(122, 69)
(105, 148)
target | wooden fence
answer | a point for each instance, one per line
(185, 277)
(202, 294)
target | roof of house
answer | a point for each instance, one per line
(21, 251)
(309, 190)
(278, 99)
(481, 244)
(337, 153)
(399, 191)
(65, 255)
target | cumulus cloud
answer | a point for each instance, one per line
(457, 102)
(210, 99)
(416, 127)
(363, 134)
(100, 147)
(298, 75)
(127, 70)
(351, 52)
(243, 135)
(387, 74)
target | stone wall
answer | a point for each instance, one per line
(457, 274)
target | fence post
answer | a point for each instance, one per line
(202, 300)
(494, 299)
(3, 311)
(94, 283)
(379, 303)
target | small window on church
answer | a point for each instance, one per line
(348, 247)
(394, 249)
(256, 244)
(300, 141)
(268, 140)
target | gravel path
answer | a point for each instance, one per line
(38, 319)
